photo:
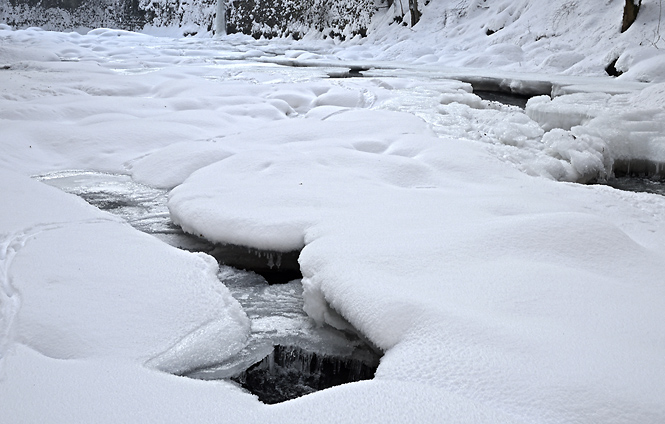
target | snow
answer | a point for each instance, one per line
(171, 165)
(569, 37)
(307, 172)
(97, 299)
(623, 126)
(442, 227)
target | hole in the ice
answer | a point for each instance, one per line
(507, 98)
(287, 355)
(275, 267)
(107, 203)
(612, 70)
(353, 72)
(508, 89)
(638, 175)
(638, 184)
(288, 372)
(508, 92)
(640, 168)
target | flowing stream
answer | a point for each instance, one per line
(638, 184)
(287, 354)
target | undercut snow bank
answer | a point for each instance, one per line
(105, 276)
(170, 166)
(497, 296)
(288, 162)
(475, 278)
(603, 129)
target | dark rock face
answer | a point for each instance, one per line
(259, 18)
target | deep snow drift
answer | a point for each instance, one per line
(438, 224)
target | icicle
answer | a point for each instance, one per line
(271, 362)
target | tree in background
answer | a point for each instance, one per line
(630, 13)
(415, 13)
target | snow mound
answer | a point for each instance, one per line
(567, 111)
(497, 296)
(442, 251)
(291, 164)
(105, 276)
(170, 166)
(605, 128)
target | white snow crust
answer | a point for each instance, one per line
(443, 227)
(556, 37)
(77, 284)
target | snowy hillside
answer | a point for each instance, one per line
(573, 37)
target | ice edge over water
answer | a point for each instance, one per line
(543, 298)
(309, 357)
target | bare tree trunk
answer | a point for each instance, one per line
(220, 18)
(630, 13)
(415, 13)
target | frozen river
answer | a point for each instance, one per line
(466, 240)
(287, 355)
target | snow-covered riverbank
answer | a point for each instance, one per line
(429, 219)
